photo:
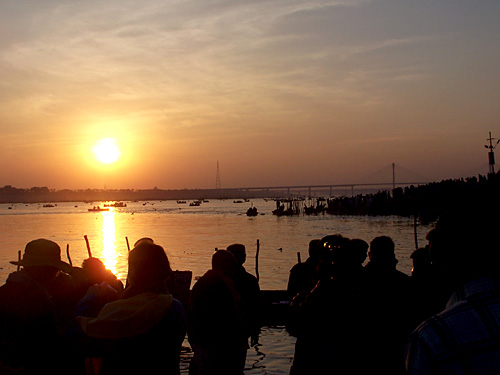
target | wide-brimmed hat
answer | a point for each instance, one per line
(42, 252)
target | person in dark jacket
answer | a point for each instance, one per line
(216, 328)
(140, 333)
(249, 290)
(30, 323)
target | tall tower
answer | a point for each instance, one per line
(491, 154)
(217, 177)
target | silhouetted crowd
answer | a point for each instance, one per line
(426, 202)
(352, 311)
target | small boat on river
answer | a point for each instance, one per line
(252, 211)
(98, 209)
(116, 204)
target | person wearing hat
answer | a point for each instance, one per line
(30, 325)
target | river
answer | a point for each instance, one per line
(190, 234)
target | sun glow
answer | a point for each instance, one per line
(107, 151)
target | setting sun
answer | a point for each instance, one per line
(106, 151)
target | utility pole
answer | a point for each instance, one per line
(491, 154)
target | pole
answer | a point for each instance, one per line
(257, 261)
(298, 257)
(393, 176)
(491, 154)
(415, 230)
(19, 259)
(128, 245)
(88, 246)
(67, 254)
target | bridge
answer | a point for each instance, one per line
(311, 188)
(329, 188)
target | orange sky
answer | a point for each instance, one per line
(280, 93)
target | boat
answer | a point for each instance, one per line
(181, 202)
(238, 201)
(293, 207)
(116, 204)
(98, 209)
(252, 211)
(314, 209)
(48, 205)
(195, 203)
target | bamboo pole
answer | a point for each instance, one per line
(128, 245)
(19, 259)
(67, 254)
(415, 230)
(88, 246)
(298, 257)
(257, 261)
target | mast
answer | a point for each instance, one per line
(491, 154)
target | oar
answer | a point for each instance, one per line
(88, 246)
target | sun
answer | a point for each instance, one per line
(106, 150)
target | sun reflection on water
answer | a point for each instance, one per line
(109, 252)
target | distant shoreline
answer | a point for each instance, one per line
(9, 194)
(426, 202)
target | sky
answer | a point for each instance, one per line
(277, 92)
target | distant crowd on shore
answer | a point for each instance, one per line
(426, 202)
(352, 311)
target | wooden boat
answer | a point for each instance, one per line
(181, 202)
(116, 204)
(293, 207)
(195, 203)
(252, 211)
(98, 209)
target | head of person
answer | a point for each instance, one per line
(314, 249)
(464, 243)
(143, 239)
(94, 269)
(382, 251)
(42, 260)
(359, 249)
(421, 259)
(225, 262)
(148, 267)
(238, 250)
(333, 254)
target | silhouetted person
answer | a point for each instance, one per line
(140, 333)
(216, 330)
(249, 291)
(358, 249)
(389, 300)
(429, 298)
(330, 317)
(304, 276)
(93, 271)
(463, 339)
(29, 322)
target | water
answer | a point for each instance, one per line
(190, 235)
